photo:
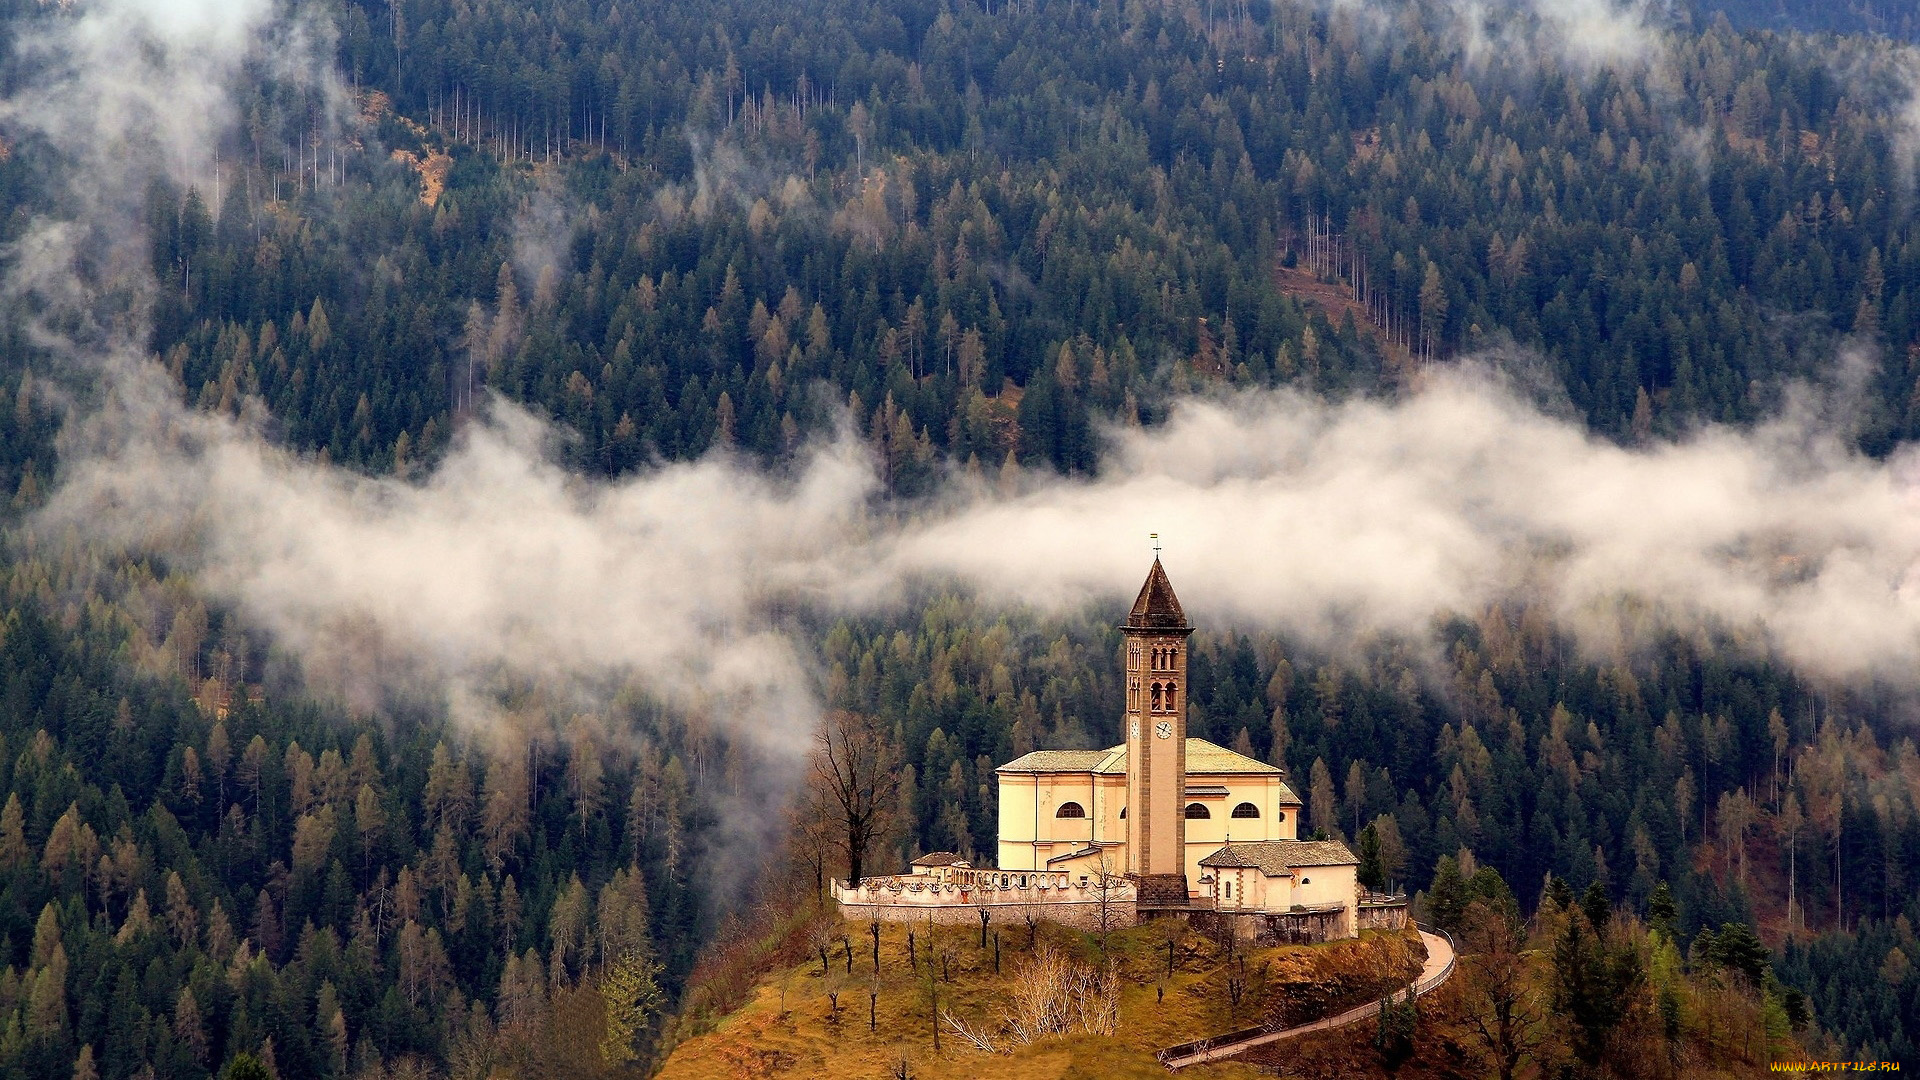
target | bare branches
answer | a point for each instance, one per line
(978, 1039)
(1108, 884)
(1054, 994)
(1503, 1007)
(857, 765)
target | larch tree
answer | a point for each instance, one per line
(369, 821)
(585, 770)
(448, 796)
(1788, 823)
(1320, 800)
(13, 836)
(567, 925)
(1393, 848)
(505, 818)
(1356, 792)
(631, 996)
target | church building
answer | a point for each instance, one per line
(1184, 818)
(1179, 825)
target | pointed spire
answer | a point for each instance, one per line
(1157, 608)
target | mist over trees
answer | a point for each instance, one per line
(980, 232)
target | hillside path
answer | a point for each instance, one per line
(1436, 970)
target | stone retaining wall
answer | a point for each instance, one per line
(1391, 915)
(1263, 928)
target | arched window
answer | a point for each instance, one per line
(1156, 697)
(1246, 809)
(1169, 697)
(1070, 809)
(1280, 815)
(1123, 813)
(1197, 812)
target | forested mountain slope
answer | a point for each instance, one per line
(977, 234)
(990, 201)
(1851, 17)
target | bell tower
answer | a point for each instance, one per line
(1156, 634)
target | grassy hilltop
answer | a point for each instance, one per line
(787, 1024)
(1676, 1018)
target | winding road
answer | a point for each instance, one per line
(1436, 970)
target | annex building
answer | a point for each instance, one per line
(1160, 824)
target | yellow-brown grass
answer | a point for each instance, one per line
(789, 1026)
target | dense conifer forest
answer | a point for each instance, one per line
(981, 234)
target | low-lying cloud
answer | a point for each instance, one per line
(499, 565)
(1583, 36)
(1280, 511)
(1326, 520)
(1320, 519)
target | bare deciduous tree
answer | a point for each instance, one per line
(818, 941)
(811, 832)
(942, 950)
(1502, 1006)
(1054, 993)
(1030, 914)
(858, 766)
(836, 984)
(1109, 882)
(1170, 932)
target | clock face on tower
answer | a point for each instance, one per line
(1164, 729)
(1133, 728)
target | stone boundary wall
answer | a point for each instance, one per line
(1055, 897)
(1079, 914)
(917, 890)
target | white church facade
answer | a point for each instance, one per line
(1161, 824)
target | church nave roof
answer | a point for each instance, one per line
(1203, 759)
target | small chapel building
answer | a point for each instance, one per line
(1166, 823)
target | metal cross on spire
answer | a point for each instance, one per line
(1155, 537)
